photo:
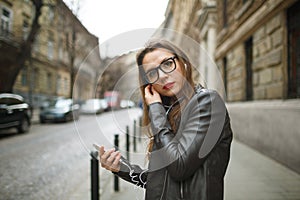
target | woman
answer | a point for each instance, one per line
(190, 133)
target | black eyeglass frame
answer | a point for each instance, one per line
(159, 67)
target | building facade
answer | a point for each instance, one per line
(255, 46)
(258, 49)
(197, 21)
(64, 56)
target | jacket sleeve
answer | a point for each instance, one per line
(132, 173)
(201, 126)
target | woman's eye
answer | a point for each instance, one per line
(167, 64)
(152, 74)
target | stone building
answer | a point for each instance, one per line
(258, 48)
(195, 24)
(62, 47)
(255, 45)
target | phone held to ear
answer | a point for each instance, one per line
(150, 89)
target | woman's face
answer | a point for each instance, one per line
(167, 84)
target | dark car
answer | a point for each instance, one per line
(60, 110)
(14, 112)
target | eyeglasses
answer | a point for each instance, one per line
(167, 66)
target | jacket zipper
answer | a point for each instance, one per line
(181, 190)
(163, 191)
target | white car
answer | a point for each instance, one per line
(127, 104)
(94, 106)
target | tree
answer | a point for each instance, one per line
(74, 49)
(10, 68)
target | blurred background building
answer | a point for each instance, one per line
(60, 48)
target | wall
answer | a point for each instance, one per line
(271, 127)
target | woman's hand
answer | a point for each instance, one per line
(110, 159)
(151, 95)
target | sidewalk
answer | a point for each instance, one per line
(250, 176)
(106, 180)
(253, 176)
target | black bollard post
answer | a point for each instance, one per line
(94, 176)
(134, 135)
(116, 178)
(140, 129)
(127, 142)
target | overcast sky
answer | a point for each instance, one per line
(109, 18)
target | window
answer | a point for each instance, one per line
(49, 80)
(24, 79)
(58, 84)
(66, 85)
(60, 49)
(293, 15)
(51, 14)
(36, 45)
(225, 14)
(6, 18)
(225, 73)
(50, 47)
(35, 78)
(25, 29)
(248, 55)
(67, 41)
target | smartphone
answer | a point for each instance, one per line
(151, 89)
(96, 146)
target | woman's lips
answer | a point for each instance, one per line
(168, 86)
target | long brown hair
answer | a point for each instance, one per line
(188, 88)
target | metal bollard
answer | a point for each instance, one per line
(94, 176)
(127, 142)
(140, 129)
(116, 178)
(134, 135)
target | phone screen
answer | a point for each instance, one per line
(97, 147)
(151, 89)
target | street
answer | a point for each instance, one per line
(52, 159)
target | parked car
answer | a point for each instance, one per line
(14, 112)
(60, 110)
(127, 104)
(113, 99)
(94, 106)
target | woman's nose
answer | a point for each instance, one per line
(162, 75)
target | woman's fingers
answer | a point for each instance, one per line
(107, 153)
(110, 159)
(151, 95)
(101, 151)
(115, 167)
(148, 90)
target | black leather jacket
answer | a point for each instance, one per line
(191, 164)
